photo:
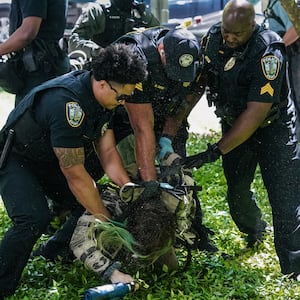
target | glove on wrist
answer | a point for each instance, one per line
(210, 155)
(151, 190)
(165, 147)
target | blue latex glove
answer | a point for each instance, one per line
(165, 147)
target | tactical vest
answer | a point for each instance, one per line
(167, 96)
(32, 141)
(230, 102)
(117, 23)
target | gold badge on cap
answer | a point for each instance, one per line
(270, 66)
(74, 114)
(186, 60)
(230, 63)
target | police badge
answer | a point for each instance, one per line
(230, 63)
(270, 66)
(74, 114)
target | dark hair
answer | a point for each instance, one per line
(117, 63)
(152, 226)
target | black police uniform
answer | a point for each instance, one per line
(166, 96)
(59, 113)
(43, 59)
(257, 72)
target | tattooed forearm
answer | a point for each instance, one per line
(69, 157)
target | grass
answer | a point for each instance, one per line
(246, 274)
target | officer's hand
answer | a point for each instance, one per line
(165, 147)
(151, 190)
(118, 276)
(171, 169)
(210, 155)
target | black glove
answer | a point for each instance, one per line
(152, 190)
(171, 169)
(210, 155)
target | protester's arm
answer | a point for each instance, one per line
(142, 121)
(110, 159)
(81, 184)
(26, 33)
(85, 248)
(244, 126)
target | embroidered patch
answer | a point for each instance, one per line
(267, 89)
(270, 66)
(139, 86)
(186, 60)
(104, 128)
(74, 114)
(230, 64)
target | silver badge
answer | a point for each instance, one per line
(230, 64)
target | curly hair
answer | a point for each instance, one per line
(117, 63)
(152, 226)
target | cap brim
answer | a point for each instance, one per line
(177, 73)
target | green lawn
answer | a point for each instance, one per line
(247, 274)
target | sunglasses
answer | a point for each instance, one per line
(120, 97)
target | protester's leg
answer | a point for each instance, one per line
(27, 207)
(281, 175)
(239, 169)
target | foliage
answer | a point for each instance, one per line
(242, 274)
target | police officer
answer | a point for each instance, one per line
(100, 25)
(279, 22)
(159, 106)
(51, 128)
(35, 30)
(245, 71)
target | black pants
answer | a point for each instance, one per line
(24, 187)
(271, 150)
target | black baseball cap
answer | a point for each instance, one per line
(182, 51)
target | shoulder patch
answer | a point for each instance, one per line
(74, 114)
(270, 66)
